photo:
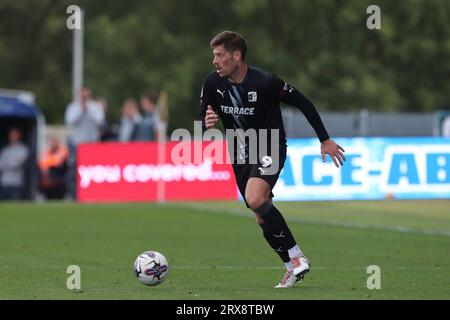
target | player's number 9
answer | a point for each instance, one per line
(266, 161)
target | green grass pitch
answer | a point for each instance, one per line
(216, 251)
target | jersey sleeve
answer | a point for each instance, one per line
(205, 100)
(289, 95)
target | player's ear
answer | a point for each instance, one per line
(237, 55)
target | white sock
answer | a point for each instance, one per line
(289, 266)
(294, 252)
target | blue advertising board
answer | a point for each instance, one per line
(376, 168)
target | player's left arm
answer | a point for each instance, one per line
(291, 96)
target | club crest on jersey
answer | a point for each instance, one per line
(288, 88)
(252, 97)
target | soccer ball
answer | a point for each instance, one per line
(151, 268)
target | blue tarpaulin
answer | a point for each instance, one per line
(13, 107)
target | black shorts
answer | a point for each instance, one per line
(243, 172)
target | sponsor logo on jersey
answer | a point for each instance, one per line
(252, 96)
(221, 93)
(238, 110)
(286, 89)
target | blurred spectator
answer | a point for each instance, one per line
(13, 160)
(147, 130)
(446, 126)
(85, 117)
(53, 169)
(129, 121)
(108, 131)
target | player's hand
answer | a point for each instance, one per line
(211, 118)
(335, 151)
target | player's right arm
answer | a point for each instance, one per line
(289, 95)
(207, 115)
(211, 118)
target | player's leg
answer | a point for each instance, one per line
(289, 278)
(257, 192)
(274, 242)
(243, 174)
(258, 197)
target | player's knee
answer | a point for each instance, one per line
(255, 201)
(259, 220)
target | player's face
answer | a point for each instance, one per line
(225, 62)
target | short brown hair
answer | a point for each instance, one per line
(232, 41)
(151, 97)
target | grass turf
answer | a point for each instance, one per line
(216, 251)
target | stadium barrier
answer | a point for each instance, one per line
(376, 168)
(121, 172)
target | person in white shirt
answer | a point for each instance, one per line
(13, 159)
(84, 117)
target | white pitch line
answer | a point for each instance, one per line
(313, 267)
(227, 267)
(247, 214)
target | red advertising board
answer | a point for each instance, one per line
(122, 172)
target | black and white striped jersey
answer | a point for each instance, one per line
(255, 103)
